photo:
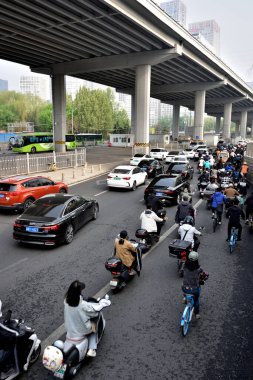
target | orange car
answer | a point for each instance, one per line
(18, 193)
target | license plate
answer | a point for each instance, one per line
(113, 283)
(32, 229)
(159, 194)
(60, 372)
(1, 195)
(117, 178)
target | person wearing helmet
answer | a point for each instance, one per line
(218, 199)
(191, 281)
(228, 167)
(124, 250)
(244, 169)
(184, 209)
(78, 314)
(235, 213)
(189, 233)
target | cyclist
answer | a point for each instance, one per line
(191, 281)
(230, 194)
(249, 207)
(235, 213)
(124, 250)
(218, 199)
(189, 233)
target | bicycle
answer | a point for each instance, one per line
(233, 239)
(187, 313)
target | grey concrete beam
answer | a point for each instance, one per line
(112, 62)
(179, 87)
(222, 100)
(220, 110)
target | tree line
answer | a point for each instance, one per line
(94, 111)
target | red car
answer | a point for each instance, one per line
(18, 193)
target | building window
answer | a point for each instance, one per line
(115, 139)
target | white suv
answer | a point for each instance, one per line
(158, 153)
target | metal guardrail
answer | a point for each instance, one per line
(35, 163)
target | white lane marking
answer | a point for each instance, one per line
(106, 289)
(102, 192)
(13, 265)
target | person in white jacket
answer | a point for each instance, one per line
(78, 314)
(188, 232)
(148, 220)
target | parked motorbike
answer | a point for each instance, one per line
(19, 346)
(63, 358)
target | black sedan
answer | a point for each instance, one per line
(54, 218)
(167, 188)
(152, 167)
(185, 170)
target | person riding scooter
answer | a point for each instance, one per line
(184, 209)
(188, 232)
(148, 222)
(124, 250)
(78, 315)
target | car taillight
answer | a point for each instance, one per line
(126, 178)
(109, 176)
(52, 228)
(13, 193)
(168, 191)
(17, 225)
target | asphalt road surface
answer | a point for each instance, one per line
(142, 338)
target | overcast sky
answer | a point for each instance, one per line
(236, 28)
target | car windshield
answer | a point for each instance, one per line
(121, 171)
(176, 167)
(188, 150)
(139, 155)
(145, 163)
(45, 209)
(164, 183)
(156, 150)
(173, 153)
(7, 187)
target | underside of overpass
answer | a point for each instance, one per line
(104, 41)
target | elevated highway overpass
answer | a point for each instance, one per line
(131, 45)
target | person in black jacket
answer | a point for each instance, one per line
(184, 209)
(235, 213)
(249, 207)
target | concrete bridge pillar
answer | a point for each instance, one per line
(227, 120)
(251, 132)
(133, 114)
(244, 115)
(59, 111)
(199, 114)
(217, 124)
(175, 121)
(142, 94)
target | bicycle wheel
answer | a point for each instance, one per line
(185, 320)
(214, 224)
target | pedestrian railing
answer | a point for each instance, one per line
(35, 163)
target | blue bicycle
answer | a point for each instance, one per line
(233, 239)
(187, 313)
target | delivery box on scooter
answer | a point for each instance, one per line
(177, 246)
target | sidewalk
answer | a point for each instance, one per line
(79, 174)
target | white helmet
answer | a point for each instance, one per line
(193, 256)
(52, 358)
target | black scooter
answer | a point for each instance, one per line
(19, 346)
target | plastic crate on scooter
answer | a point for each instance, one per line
(177, 246)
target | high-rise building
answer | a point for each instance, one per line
(3, 85)
(210, 30)
(176, 9)
(35, 85)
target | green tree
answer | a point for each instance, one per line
(45, 119)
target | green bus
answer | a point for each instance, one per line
(84, 139)
(38, 142)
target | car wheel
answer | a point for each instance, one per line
(134, 186)
(69, 234)
(33, 149)
(95, 214)
(62, 191)
(28, 202)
